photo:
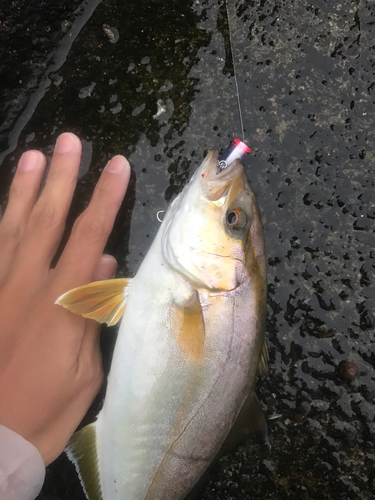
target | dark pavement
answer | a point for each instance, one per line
(154, 80)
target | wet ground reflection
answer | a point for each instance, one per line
(154, 80)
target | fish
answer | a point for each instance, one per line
(189, 349)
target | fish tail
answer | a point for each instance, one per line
(82, 451)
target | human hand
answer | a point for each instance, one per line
(50, 361)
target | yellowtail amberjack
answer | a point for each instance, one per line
(190, 345)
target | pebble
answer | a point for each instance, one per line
(347, 370)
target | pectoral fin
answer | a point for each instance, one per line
(81, 450)
(103, 301)
(188, 330)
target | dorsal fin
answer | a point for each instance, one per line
(81, 450)
(250, 421)
(104, 301)
(263, 360)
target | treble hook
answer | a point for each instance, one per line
(157, 215)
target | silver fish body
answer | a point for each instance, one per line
(189, 344)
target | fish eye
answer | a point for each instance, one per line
(236, 219)
(232, 218)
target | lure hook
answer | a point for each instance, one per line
(157, 215)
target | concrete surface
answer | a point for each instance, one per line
(154, 80)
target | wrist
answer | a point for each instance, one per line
(22, 469)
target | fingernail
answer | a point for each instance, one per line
(30, 160)
(110, 261)
(66, 142)
(116, 165)
(107, 267)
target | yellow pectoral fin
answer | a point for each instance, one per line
(188, 331)
(103, 301)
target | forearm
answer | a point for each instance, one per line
(22, 468)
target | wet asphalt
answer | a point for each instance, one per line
(155, 80)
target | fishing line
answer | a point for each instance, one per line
(234, 71)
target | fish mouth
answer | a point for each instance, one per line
(216, 182)
(213, 170)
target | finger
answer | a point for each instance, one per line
(106, 268)
(92, 229)
(22, 197)
(47, 220)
